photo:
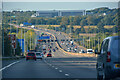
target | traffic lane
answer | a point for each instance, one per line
(62, 36)
(31, 69)
(75, 67)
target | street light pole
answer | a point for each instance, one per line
(24, 41)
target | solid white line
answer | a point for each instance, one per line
(9, 65)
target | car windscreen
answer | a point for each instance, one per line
(31, 54)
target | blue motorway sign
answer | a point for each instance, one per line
(19, 40)
(26, 23)
(44, 37)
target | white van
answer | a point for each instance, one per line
(89, 50)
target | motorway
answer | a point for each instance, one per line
(60, 65)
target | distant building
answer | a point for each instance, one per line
(55, 13)
(72, 12)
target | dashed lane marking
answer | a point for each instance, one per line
(56, 68)
(66, 74)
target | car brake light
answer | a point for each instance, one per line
(108, 57)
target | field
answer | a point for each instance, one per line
(88, 35)
(75, 26)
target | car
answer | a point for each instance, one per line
(50, 46)
(89, 50)
(44, 52)
(68, 50)
(108, 60)
(50, 51)
(49, 55)
(31, 55)
(51, 43)
(54, 50)
(82, 51)
(39, 55)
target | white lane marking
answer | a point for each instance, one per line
(47, 63)
(56, 68)
(60, 70)
(66, 74)
(9, 65)
(52, 66)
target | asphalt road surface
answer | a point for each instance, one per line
(59, 66)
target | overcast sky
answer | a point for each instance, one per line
(57, 4)
(60, 0)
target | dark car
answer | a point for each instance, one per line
(54, 50)
(44, 52)
(50, 46)
(31, 55)
(108, 60)
(49, 55)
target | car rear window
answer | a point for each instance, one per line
(90, 51)
(37, 54)
(31, 54)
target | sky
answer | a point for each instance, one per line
(8, 6)
(60, 0)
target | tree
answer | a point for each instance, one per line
(100, 26)
(91, 20)
(63, 28)
(64, 21)
(76, 20)
(83, 22)
(107, 20)
(7, 46)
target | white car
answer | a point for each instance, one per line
(68, 50)
(89, 50)
(39, 55)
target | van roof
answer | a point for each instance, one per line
(112, 37)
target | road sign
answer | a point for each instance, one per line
(12, 37)
(44, 37)
(19, 40)
(26, 23)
